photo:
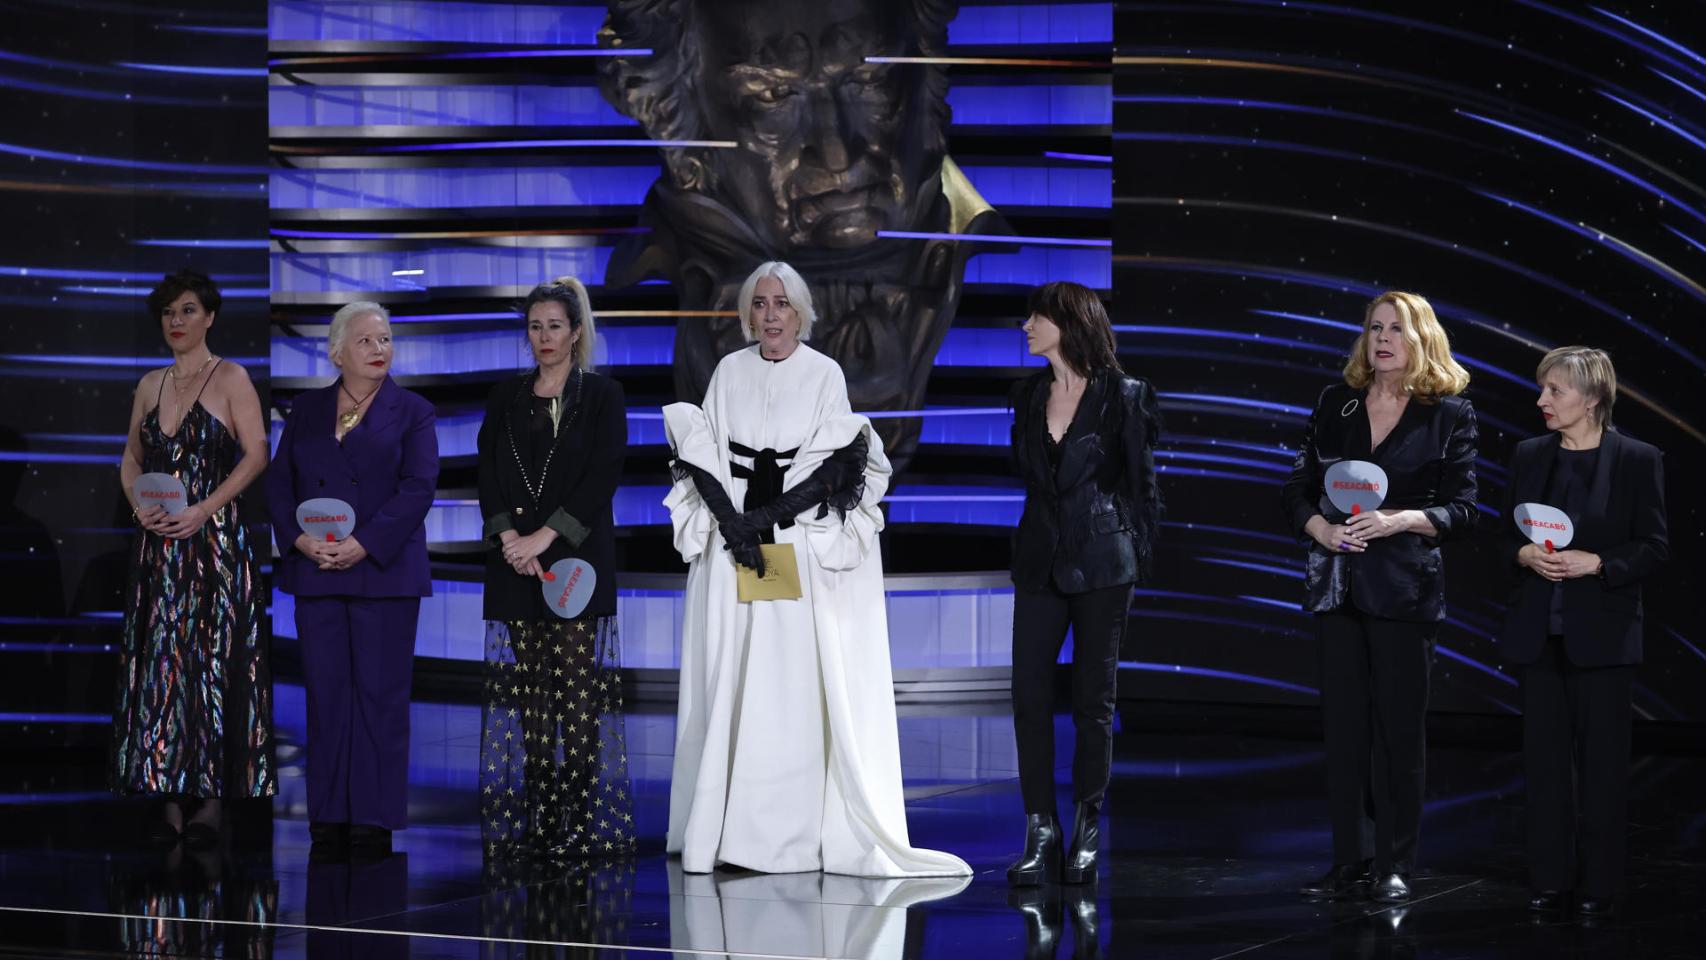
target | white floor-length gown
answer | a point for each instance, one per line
(787, 756)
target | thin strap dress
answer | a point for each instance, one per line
(194, 706)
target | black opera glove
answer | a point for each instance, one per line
(742, 544)
(831, 484)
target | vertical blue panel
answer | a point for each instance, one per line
(1033, 266)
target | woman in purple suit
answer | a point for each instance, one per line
(370, 443)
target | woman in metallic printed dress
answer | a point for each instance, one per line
(553, 765)
(194, 717)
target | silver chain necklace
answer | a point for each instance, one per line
(509, 423)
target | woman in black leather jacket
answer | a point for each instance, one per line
(1376, 582)
(1083, 441)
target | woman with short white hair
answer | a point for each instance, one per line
(787, 756)
(371, 444)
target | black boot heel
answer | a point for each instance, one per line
(1041, 860)
(1086, 844)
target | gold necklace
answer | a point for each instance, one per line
(171, 371)
(349, 418)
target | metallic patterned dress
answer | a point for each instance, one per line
(194, 714)
(554, 781)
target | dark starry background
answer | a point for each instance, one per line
(63, 91)
(1333, 154)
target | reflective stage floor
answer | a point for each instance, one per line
(1210, 834)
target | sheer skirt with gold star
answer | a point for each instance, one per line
(554, 781)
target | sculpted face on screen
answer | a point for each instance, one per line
(820, 160)
(827, 149)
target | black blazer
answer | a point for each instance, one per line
(1429, 459)
(1090, 523)
(576, 498)
(1623, 522)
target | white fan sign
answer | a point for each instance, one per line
(162, 489)
(1355, 485)
(326, 518)
(1547, 526)
(568, 586)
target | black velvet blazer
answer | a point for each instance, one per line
(575, 499)
(1623, 521)
(1429, 459)
(1090, 522)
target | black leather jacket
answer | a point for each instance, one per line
(1429, 459)
(1090, 522)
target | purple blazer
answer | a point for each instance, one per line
(387, 468)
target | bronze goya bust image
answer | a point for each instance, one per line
(829, 148)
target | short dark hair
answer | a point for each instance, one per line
(187, 280)
(1086, 337)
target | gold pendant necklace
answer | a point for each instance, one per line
(349, 418)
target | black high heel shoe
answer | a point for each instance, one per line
(1041, 859)
(1086, 844)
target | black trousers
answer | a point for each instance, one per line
(1374, 704)
(1040, 619)
(1575, 749)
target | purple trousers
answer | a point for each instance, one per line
(357, 665)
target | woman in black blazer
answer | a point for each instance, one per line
(1573, 623)
(1376, 581)
(553, 762)
(1083, 441)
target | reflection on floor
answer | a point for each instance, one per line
(1209, 831)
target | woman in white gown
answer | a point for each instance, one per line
(787, 756)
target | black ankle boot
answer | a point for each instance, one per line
(1086, 844)
(1041, 860)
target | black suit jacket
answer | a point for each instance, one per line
(1623, 521)
(1089, 523)
(575, 500)
(1429, 459)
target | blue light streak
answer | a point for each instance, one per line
(1257, 567)
(95, 360)
(1683, 84)
(79, 718)
(125, 276)
(1605, 165)
(493, 55)
(990, 238)
(1629, 252)
(1696, 244)
(1213, 674)
(548, 144)
(127, 164)
(197, 71)
(229, 293)
(207, 244)
(1655, 118)
(1679, 48)
(14, 456)
(215, 31)
(1266, 405)
(1084, 157)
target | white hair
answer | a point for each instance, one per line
(346, 313)
(794, 285)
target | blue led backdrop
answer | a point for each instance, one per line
(1528, 167)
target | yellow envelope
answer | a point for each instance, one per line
(781, 580)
